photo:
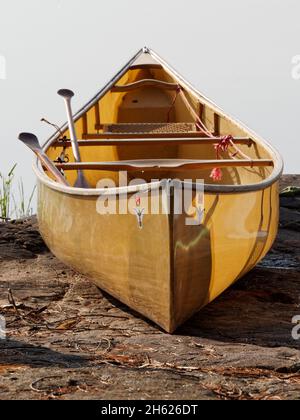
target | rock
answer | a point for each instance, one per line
(76, 342)
(289, 219)
(290, 202)
(20, 240)
(288, 180)
(291, 191)
(7, 237)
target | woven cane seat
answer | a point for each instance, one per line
(133, 128)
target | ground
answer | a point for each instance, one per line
(68, 340)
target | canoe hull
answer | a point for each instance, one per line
(165, 270)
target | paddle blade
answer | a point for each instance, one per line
(66, 93)
(30, 140)
(81, 182)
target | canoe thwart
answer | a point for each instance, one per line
(96, 136)
(145, 82)
(163, 164)
(153, 142)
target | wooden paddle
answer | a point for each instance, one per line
(67, 95)
(31, 141)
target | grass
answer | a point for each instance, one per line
(12, 207)
(22, 208)
(6, 194)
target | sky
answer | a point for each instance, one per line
(244, 55)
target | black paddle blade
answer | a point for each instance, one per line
(66, 93)
(30, 140)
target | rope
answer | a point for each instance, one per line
(199, 123)
(223, 145)
(63, 157)
(58, 130)
(173, 102)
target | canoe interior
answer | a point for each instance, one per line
(151, 104)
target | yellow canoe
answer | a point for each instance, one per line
(151, 123)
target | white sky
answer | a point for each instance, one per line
(237, 52)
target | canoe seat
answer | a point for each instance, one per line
(149, 128)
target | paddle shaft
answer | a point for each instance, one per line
(47, 163)
(32, 142)
(81, 181)
(72, 130)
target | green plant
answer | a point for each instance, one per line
(6, 194)
(22, 208)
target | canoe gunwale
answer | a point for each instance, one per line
(221, 189)
(218, 189)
